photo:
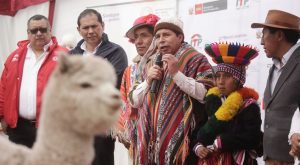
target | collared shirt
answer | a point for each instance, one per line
(280, 64)
(186, 84)
(32, 64)
(86, 52)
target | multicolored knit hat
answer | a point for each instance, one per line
(232, 58)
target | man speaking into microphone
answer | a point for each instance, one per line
(165, 114)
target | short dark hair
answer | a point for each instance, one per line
(149, 28)
(88, 12)
(291, 36)
(36, 18)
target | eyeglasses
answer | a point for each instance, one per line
(34, 31)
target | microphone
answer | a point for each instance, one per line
(155, 83)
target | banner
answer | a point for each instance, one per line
(209, 21)
(118, 18)
(11, 7)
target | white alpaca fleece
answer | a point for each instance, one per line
(79, 102)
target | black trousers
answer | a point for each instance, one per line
(24, 133)
(104, 150)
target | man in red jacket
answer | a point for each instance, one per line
(24, 78)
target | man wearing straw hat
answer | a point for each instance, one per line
(282, 93)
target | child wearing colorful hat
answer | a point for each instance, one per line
(232, 132)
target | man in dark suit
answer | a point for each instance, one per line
(95, 42)
(281, 32)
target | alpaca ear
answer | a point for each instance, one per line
(64, 62)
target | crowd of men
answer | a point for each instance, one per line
(177, 109)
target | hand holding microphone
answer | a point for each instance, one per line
(171, 63)
(155, 83)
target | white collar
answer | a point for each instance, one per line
(279, 64)
(83, 47)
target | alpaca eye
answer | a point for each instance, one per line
(85, 85)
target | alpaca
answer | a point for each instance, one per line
(79, 102)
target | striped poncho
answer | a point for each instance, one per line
(165, 119)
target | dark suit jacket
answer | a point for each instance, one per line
(104, 146)
(279, 109)
(114, 53)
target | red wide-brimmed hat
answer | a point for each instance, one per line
(147, 20)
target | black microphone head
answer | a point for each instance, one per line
(158, 60)
(155, 83)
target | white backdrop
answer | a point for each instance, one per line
(205, 21)
(13, 29)
(210, 21)
(119, 18)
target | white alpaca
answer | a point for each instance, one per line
(79, 102)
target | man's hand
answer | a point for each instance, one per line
(202, 152)
(172, 63)
(295, 145)
(154, 73)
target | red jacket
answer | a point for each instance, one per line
(12, 77)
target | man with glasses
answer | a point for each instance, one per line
(24, 78)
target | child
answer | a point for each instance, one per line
(232, 132)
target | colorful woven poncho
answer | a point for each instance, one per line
(165, 119)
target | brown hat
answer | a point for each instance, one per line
(280, 19)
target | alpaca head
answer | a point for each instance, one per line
(81, 95)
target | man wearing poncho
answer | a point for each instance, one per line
(141, 35)
(165, 116)
(232, 132)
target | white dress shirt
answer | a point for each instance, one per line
(186, 84)
(27, 103)
(86, 52)
(280, 64)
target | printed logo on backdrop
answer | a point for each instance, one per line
(240, 4)
(244, 4)
(196, 40)
(213, 6)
